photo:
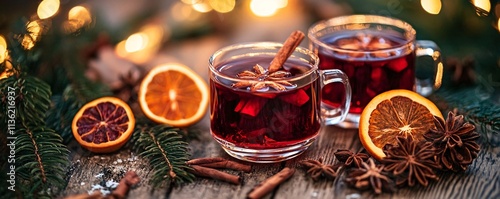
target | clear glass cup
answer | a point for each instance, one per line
(259, 118)
(378, 54)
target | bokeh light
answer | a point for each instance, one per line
(78, 17)
(267, 8)
(222, 6)
(140, 47)
(431, 6)
(136, 42)
(202, 6)
(482, 7)
(47, 8)
(34, 28)
(3, 49)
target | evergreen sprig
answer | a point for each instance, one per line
(40, 157)
(42, 160)
(167, 153)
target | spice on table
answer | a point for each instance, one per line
(130, 179)
(455, 142)
(270, 183)
(219, 162)
(410, 161)
(370, 175)
(351, 159)
(316, 169)
(215, 174)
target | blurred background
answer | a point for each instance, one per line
(114, 37)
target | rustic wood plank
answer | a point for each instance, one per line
(90, 170)
(481, 180)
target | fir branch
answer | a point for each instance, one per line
(167, 154)
(41, 161)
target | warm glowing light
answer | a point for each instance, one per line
(222, 6)
(47, 8)
(439, 75)
(483, 6)
(3, 49)
(78, 17)
(267, 8)
(202, 7)
(143, 45)
(34, 30)
(431, 6)
(136, 42)
(281, 3)
(191, 2)
(498, 24)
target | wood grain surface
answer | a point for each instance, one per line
(481, 180)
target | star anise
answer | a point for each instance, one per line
(410, 161)
(351, 159)
(455, 141)
(261, 79)
(317, 169)
(370, 175)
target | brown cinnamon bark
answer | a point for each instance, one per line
(218, 162)
(215, 174)
(269, 184)
(288, 47)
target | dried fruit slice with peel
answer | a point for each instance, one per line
(173, 94)
(103, 125)
(395, 113)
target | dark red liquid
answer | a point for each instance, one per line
(369, 73)
(262, 120)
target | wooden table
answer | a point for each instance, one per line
(481, 180)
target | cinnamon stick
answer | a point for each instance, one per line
(218, 162)
(130, 179)
(215, 174)
(269, 184)
(288, 47)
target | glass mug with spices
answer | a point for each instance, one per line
(265, 115)
(377, 54)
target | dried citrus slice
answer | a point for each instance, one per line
(394, 113)
(173, 94)
(103, 125)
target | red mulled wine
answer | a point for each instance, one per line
(373, 62)
(264, 118)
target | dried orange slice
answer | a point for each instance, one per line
(173, 94)
(395, 113)
(103, 125)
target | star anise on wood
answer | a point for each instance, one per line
(370, 175)
(351, 159)
(455, 141)
(316, 169)
(261, 79)
(410, 161)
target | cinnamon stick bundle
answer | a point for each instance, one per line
(288, 47)
(269, 184)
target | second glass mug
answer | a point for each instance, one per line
(262, 119)
(378, 54)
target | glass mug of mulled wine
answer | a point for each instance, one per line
(377, 54)
(266, 116)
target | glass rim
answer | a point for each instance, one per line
(263, 45)
(361, 19)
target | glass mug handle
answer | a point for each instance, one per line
(426, 86)
(333, 115)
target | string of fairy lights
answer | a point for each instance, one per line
(141, 45)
